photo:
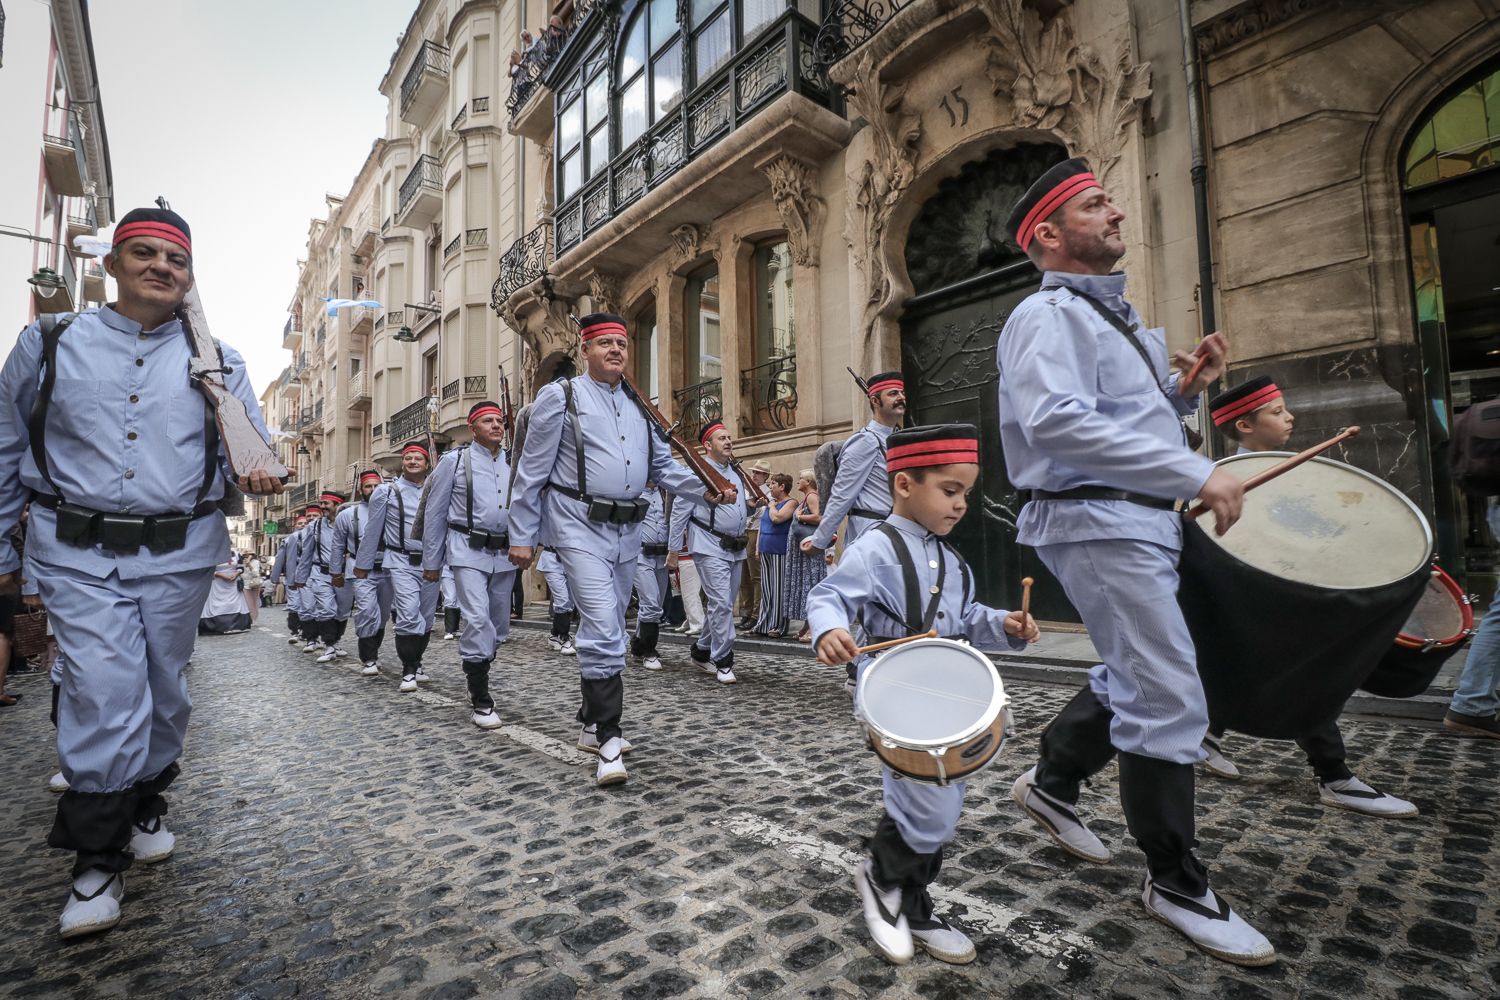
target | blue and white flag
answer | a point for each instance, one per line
(334, 305)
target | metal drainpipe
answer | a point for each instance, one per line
(1199, 173)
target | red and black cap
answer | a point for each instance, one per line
(934, 444)
(417, 446)
(598, 324)
(369, 474)
(332, 496)
(162, 223)
(313, 508)
(484, 408)
(884, 381)
(1243, 400)
(1051, 191)
(708, 429)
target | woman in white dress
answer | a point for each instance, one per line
(225, 612)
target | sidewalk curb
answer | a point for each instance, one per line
(1069, 671)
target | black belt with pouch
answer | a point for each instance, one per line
(605, 511)
(654, 550)
(729, 543)
(490, 541)
(160, 533)
(1105, 493)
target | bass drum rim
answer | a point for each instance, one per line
(1417, 515)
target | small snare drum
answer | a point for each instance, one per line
(934, 710)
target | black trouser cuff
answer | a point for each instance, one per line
(97, 826)
(340, 626)
(150, 803)
(293, 622)
(56, 695)
(477, 673)
(644, 641)
(1075, 746)
(367, 648)
(422, 641)
(408, 652)
(561, 622)
(1325, 751)
(450, 620)
(603, 704)
(896, 864)
(1157, 797)
(725, 662)
(330, 631)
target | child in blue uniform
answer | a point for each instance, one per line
(931, 470)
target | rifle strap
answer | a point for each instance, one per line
(575, 424)
(52, 329)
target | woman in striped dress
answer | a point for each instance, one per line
(803, 570)
(775, 521)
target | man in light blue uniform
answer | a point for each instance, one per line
(100, 424)
(330, 603)
(468, 492)
(393, 511)
(280, 573)
(588, 454)
(904, 580)
(860, 491)
(298, 596)
(1091, 424)
(651, 580)
(372, 593)
(715, 538)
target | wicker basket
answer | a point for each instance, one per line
(30, 632)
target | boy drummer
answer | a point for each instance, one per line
(1254, 415)
(931, 471)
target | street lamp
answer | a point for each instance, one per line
(47, 282)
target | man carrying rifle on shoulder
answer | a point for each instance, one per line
(101, 423)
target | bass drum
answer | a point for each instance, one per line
(1438, 628)
(1292, 609)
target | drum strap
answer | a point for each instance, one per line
(916, 620)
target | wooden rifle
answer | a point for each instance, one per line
(507, 415)
(246, 450)
(718, 486)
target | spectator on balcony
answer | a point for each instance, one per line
(515, 63)
(803, 569)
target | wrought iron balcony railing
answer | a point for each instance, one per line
(481, 104)
(523, 263)
(771, 390)
(431, 57)
(450, 391)
(699, 405)
(848, 25)
(476, 385)
(534, 62)
(782, 62)
(409, 422)
(452, 246)
(476, 239)
(425, 173)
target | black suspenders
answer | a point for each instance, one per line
(917, 620)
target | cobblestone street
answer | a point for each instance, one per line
(337, 839)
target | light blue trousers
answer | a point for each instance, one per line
(123, 706)
(650, 588)
(721, 582)
(600, 589)
(1126, 591)
(372, 602)
(484, 600)
(557, 585)
(415, 598)
(327, 601)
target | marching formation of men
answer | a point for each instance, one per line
(592, 496)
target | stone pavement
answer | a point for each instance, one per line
(336, 839)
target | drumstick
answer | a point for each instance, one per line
(1193, 373)
(1026, 583)
(933, 634)
(1286, 466)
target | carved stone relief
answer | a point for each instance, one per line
(604, 292)
(687, 240)
(802, 211)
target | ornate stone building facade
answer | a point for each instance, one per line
(770, 191)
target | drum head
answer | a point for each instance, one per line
(930, 692)
(1439, 615)
(1326, 524)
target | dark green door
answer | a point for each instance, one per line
(969, 277)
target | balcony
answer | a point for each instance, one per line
(93, 282)
(409, 422)
(476, 239)
(291, 337)
(476, 385)
(699, 405)
(291, 385)
(359, 391)
(770, 389)
(452, 246)
(317, 417)
(421, 197)
(302, 494)
(425, 84)
(526, 82)
(364, 235)
(84, 224)
(62, 151)
(360, 320)
(525, 262)
(705, 151)
(450, 391)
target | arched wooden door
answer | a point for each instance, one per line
(968, 276)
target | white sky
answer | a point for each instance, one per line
(244, 115)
